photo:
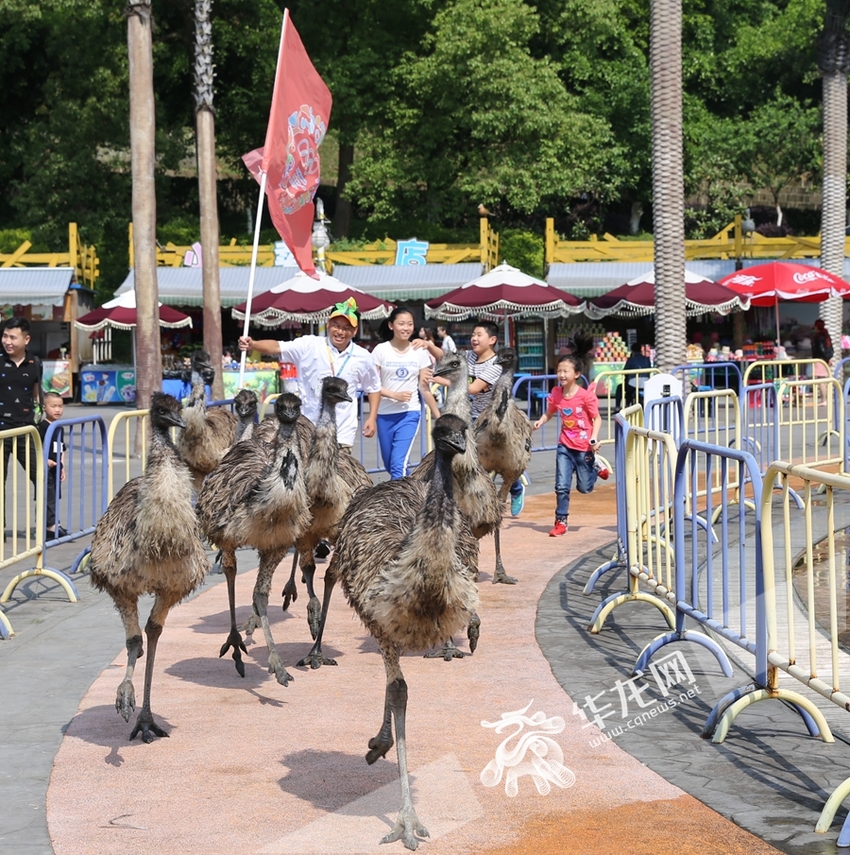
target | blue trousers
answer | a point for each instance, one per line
(567, 462)
(396, 433)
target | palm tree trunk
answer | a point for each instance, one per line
(665, 58)
(834, 63)
(142, 153)
(205, 131)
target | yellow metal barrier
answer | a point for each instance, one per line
(25, 446)
(608, 383)
(810, 415)
(649, 476)
(772, 370)
(801, 595)
(131, 429)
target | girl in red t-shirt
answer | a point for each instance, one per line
(578, 413)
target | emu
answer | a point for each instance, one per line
(406, 559)
(149, 542)
(209, 431)
(256, 497)
(503, 435)
(332, 477)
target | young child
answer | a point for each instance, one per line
(483, 374)
(578, 411)
(54, 409)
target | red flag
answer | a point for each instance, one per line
(298, 122)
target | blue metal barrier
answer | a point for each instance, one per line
(716, 589)
(83, 496)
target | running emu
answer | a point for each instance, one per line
(503, 435)
(332, 477)
(475, 490)
(149, 542)
(407, 560)
(256, 497)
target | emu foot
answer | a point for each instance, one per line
(448, 652)
(290, 593)
(276, 667)
(314, 616)
(407, 828)
(315, 659)
(473, 630)
(501, 577)
(146, 726)
(234, 640)
(251, 624)
(125, 700)
(378, 747)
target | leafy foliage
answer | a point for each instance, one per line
(533, 108)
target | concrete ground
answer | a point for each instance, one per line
(251, 765)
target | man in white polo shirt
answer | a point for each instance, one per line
(335, 354)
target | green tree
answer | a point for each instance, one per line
(475, 118)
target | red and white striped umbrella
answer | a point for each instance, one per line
(309, 300)
(120, 313)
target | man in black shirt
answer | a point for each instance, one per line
(20, 390)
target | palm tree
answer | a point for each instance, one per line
(834, 64)
(143, 155)
(205, 130)
(668, 187)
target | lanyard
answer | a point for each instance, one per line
(344, 362)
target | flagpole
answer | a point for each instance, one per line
(251, 275)
(263, 179)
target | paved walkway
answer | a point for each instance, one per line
(253, 766)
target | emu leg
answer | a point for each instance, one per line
(290, 592)
(407, 826)
(499, 575)
(380, 744)
(315, 658)
(125, 698)
(153, 629)
(268, 564)
(314, 608)
(473, 630)
(234, 639)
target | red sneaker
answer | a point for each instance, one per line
(559, 529)
(603, 473)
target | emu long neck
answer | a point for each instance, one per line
(244, 428)
(285, 462)
(323, 455)
(502, 395)
(457, 398)
(436, 519)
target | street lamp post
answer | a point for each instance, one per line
(320, 238)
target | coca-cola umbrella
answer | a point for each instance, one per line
(120, 313)
(767, 284)
(505, 292)
(309, 300)
(637, 298)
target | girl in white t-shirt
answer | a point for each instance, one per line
(403, 370)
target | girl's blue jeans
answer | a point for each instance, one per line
(567, 462)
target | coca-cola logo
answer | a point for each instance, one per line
(810, 276)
